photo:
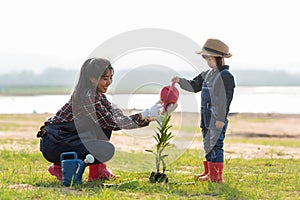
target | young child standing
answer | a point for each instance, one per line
(217, 88)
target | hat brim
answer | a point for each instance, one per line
(208, 53)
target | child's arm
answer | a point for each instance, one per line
(194, 85)
(224, 90)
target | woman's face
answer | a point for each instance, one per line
(105, 81)
(211, 61)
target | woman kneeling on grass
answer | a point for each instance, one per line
(85, 123)
(217, 87)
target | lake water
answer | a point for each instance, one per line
(246, 99)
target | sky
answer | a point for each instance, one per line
(261, 34)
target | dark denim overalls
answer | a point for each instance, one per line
(60, 138)
(213, 138)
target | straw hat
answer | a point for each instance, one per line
(215, 48)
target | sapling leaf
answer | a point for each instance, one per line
(164, 166)
(162, 137)
(157, 140)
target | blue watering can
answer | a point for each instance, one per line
(73, 168)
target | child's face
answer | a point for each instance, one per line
(211, 61)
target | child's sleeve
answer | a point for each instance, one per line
(223, 96)
(194, 85)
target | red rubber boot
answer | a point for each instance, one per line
(215, 171)
(99, 172)
(55, 170)
(205, 175)
(205, 164)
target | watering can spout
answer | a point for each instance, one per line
(82, 164)
(78, 177)
(73, 169)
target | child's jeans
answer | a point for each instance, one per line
(213, 141)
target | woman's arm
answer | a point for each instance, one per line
(113, 119)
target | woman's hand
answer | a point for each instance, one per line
(171, 107)
(153, 112)
(219, 124)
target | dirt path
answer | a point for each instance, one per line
(232, 150)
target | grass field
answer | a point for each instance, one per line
(24, 175)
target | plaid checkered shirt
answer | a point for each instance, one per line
(101, 111)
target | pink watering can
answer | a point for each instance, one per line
(169, 95)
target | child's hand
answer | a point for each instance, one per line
(175, 79)
(219, 124)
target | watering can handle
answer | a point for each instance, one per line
(172, 87)
(74, 154)
(173, 84)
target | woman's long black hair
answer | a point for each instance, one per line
(92, 68)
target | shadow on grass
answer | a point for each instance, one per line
(179, 190)
(141, 186)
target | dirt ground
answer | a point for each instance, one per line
(188, 135)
